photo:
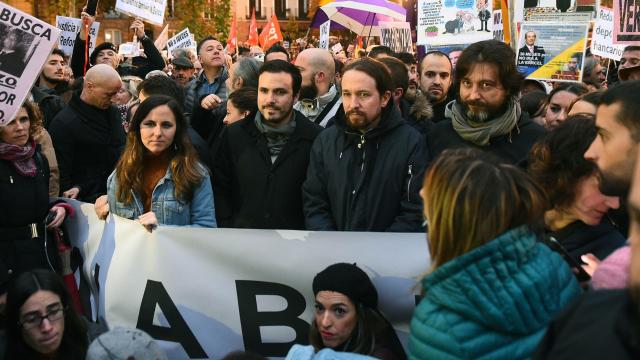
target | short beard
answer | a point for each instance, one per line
(309, 92)
(52, 80)
(484, 116)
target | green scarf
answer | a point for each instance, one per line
(480, 133)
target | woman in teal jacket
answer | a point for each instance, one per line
(493, 287)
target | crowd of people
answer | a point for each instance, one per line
(527, 190)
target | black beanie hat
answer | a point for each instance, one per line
(103, 46)
(349, 280)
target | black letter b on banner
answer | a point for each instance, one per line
(155, 293)
(251, 319)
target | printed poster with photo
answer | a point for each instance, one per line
(552, 52)
(556, 10)
(26, 43)
(442, 22)
(626, 22)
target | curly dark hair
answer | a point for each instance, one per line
(491, 52)
(557, 163)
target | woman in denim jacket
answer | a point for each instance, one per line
(158, 179)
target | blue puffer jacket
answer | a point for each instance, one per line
(494, 302)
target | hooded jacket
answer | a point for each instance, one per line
(366, 182)
(418, 114)
(494, 302)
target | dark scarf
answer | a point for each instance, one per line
(276, 137)
(21, 157)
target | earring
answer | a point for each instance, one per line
(175, 146)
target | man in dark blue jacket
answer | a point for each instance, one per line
(366, 171)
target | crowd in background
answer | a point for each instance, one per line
(526, 189)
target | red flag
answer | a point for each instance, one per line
(253, 30)
(270, 33)
(232, 41)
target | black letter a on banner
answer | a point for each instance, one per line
(251, 320)
(155, 293)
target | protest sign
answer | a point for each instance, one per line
(161, 40)
(149, 10)
(69, 28)
(602, 39)
(626, 20)
(205, 292)
(501, 22)
(396, 35)
(26, 43)
(180, 41)
(324, 35)
(336, 48)
(575, 11)
(552, 51)
(454, 21)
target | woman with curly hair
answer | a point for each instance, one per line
(577, 215)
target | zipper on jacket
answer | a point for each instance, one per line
(11, 179)
(410, 173)
(362, 141)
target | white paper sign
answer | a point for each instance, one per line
(206, 292)
(181, 40)
(602, 40)
(26, 44)
(324, 35)
(396, 35)
(69, 28)
(149, 10)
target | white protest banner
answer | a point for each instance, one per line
(336, 48)
(626, 20)
(180, 40)
(396, 35)
(602, 40)
(69, 28)
(161, 40)
(149, 10)
(205, 292)
(443, 22)
(324, 35)
(26, 43)
(552, 51)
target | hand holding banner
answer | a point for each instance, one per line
(149, 10)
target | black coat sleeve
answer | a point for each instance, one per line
(154, 59)
(222, 179)
(316, 205)
(78, 56)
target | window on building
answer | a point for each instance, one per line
(113, 36)
(255, 4)
(281, 9)
(303, 9)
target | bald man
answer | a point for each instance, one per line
(88, 136)
(319, 98)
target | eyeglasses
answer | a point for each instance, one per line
(33, 320)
